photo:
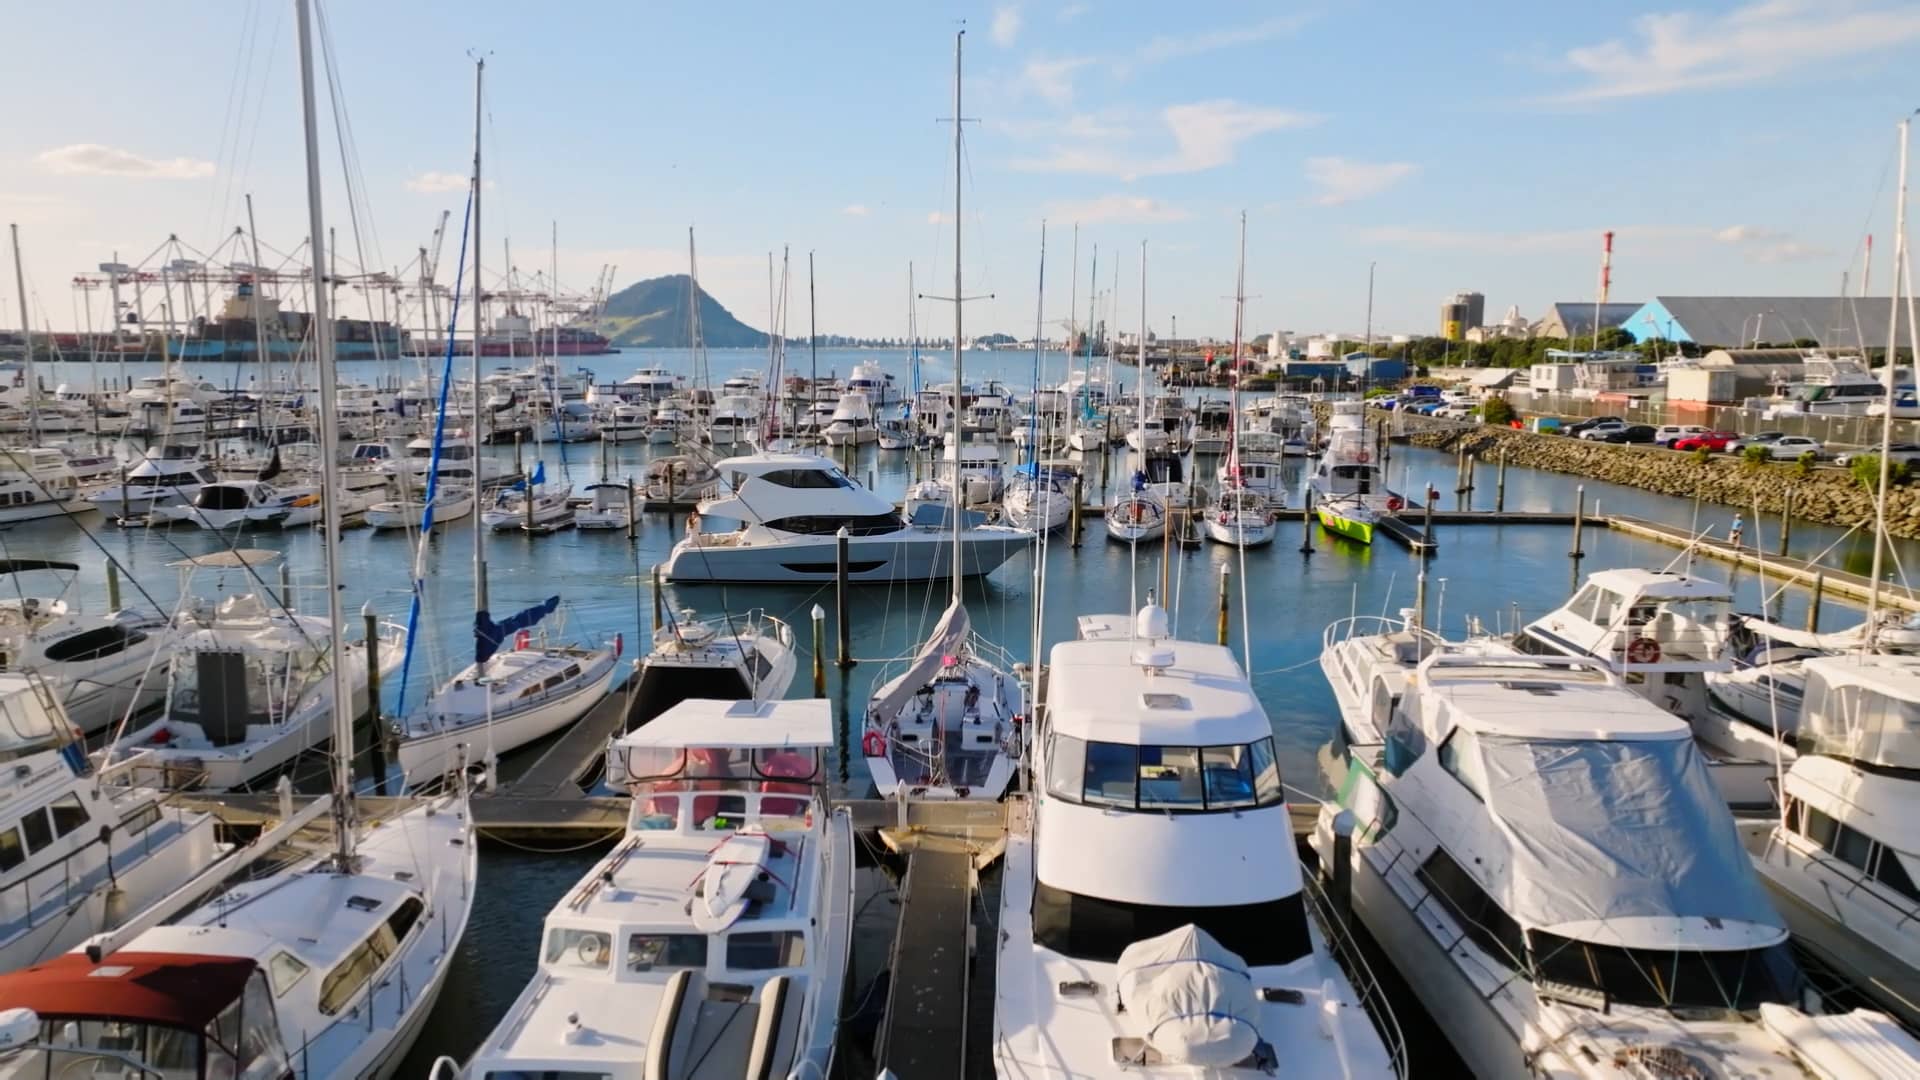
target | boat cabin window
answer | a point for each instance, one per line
(645, 952)
(1188, 778)
(94, 644)
(1459, 755)
(1857, 723)
(1851, 846)
(38, 829)
(766, 951)
(11, 853)
(828, 524)
(569, 947)
(286, 969)
(347, 977)
(1485, 922)
(1742, 979)
(1264, 934)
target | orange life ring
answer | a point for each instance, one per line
(873, 744)
(1394, 503)
(1362, 457)
(1643, 650)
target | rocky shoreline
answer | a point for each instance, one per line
(1827, 495)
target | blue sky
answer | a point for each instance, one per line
(1735, 148)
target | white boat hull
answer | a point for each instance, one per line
(427, 757)
(1242, 530)
(909, 555)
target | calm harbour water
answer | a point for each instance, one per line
(1497, 574)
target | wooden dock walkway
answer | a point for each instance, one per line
(1780, 568)
(557, 771)
(923, 1034)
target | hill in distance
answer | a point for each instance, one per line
(653, 314)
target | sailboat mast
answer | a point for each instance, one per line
(1886, 424)
(329, 465)
(1233, 378)
(26, 336)
(959, 300)
(479, 532)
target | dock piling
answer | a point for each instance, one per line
(841, 627)
(113, 585)
(1075, 513)
(1306, 524)
(1226, 577)
(123, 493)
(1500, 484)
(376, 738)
(633, 509)
(1813, 602)
(819, 651)
(659, 603)
(286, 586)
(670, 503)
(1426, 526)
(1786, 521)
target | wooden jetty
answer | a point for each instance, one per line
(1781, 568)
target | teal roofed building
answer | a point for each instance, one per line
(1731, 322)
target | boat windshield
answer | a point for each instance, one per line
(1856, 722)
(242, 1043)
(1264, 934)
(1163, 778)
(1728, 979)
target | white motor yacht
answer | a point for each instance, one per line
(1213, 423)
(36, 483)
(973, 469)
(603, 507)
(549, 505)
(249, 504)
(1154, 919)
(786, 510)
(735, 420)
(1349, 488)
(1843, 858)
(167, 473)
(729, 657)
(714, 939)
(852, 421)
(100, 667)
(648, 384)
(627, 423)
(1368, 660)
(1546, 859)
(80, 853)
(456, 451)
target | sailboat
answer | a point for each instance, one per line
(323, 968)
(1139, 511)
(1243, 517)
(507, 697)
(947, 726)
(1038, 499)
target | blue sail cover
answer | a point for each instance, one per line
(487, 634)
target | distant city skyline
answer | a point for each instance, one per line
(1733, 149)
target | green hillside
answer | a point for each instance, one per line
(653, 313)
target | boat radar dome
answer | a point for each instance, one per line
(1151, 623)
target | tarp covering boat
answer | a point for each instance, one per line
(1192, 997)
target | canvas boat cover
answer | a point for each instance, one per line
(1598, 830)
(948, 640)
(1192, 997)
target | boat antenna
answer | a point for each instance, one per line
(329, 465)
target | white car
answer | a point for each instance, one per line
(1904, 453)
(1790, 447)
(1665, 434)
(1603, 429)
(1458, 410)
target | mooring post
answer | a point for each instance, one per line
(113, 585)
(1226, 575)
(1306, 524)
(670, 503)
(819, 651)
(1579, 529)
(286, 585)
(1500, 484)
(1786, 522)
(633, 509)
(376, 739)
(1426, 525)
(1073, 514)
(123, 493)
(659, 606)
(841, 628)
(1813, 602)
(1420, 597)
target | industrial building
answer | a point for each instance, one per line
(1834, 322)
(1464, 312)
(1575, 319)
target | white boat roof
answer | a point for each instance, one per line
(226, 560)
(1893, 676)
(1658, 584)
(1193, 695)
(705, 722)
(1530, 699)
(753, 464)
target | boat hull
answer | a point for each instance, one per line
(1355, 529)
(426, 757)
(910, 555)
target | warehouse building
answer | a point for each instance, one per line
(1834, 322)
(1575, 319)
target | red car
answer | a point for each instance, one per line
(1715, 441)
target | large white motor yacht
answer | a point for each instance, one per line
(1154, 919)
(1545, 857)
(37, 482)
(167, 473)
(714, 939)
(852, 421)
(786, 510)
(100, 666)
(1844, 857)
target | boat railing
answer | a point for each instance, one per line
(1854, 876)
(1374, 626)
(1366, 986)
(39, 898)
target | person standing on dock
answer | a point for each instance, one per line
(1739, 526)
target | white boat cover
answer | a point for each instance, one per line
(1192, 997)
(1614, 829)
(948, 640)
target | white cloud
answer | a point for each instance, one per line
(1006, 25)
(1343, 180)
(1051, 78)
(938, 218)
(1169, 46)
(1206, 135)
(430, 182)
(1767, 245)
(93, 159)
(1117, 210)
(855, 210)
(1073, 11)
(1685, 50)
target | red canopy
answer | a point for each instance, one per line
(174, 989)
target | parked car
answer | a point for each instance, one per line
(1456, 410)
(1790, 447)
(1627, 433)
(1904, 453)
(1600, 429)
(1715, 441)
(1387, 402)
(1665, 434)
(1758, 438)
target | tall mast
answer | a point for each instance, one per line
(479, 531)
(26, 335)
(1233, 380)
(329, 466)
(959, 429)
(813, 343)
(1886, 376)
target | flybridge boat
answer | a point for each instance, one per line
(714, 939)
(82, 856)
(1154, 919)
(788, 508)
(732, 658)
(1369, 659)
(168, 473)
(456, 451)
(627, 423)
(1844, 857)
(38, 483)
(1767, 681)
(1544, 856)
(852, 421)
(647, 384)
(1349, 488)
(97, 666)
(735, 420)
(243, 503)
